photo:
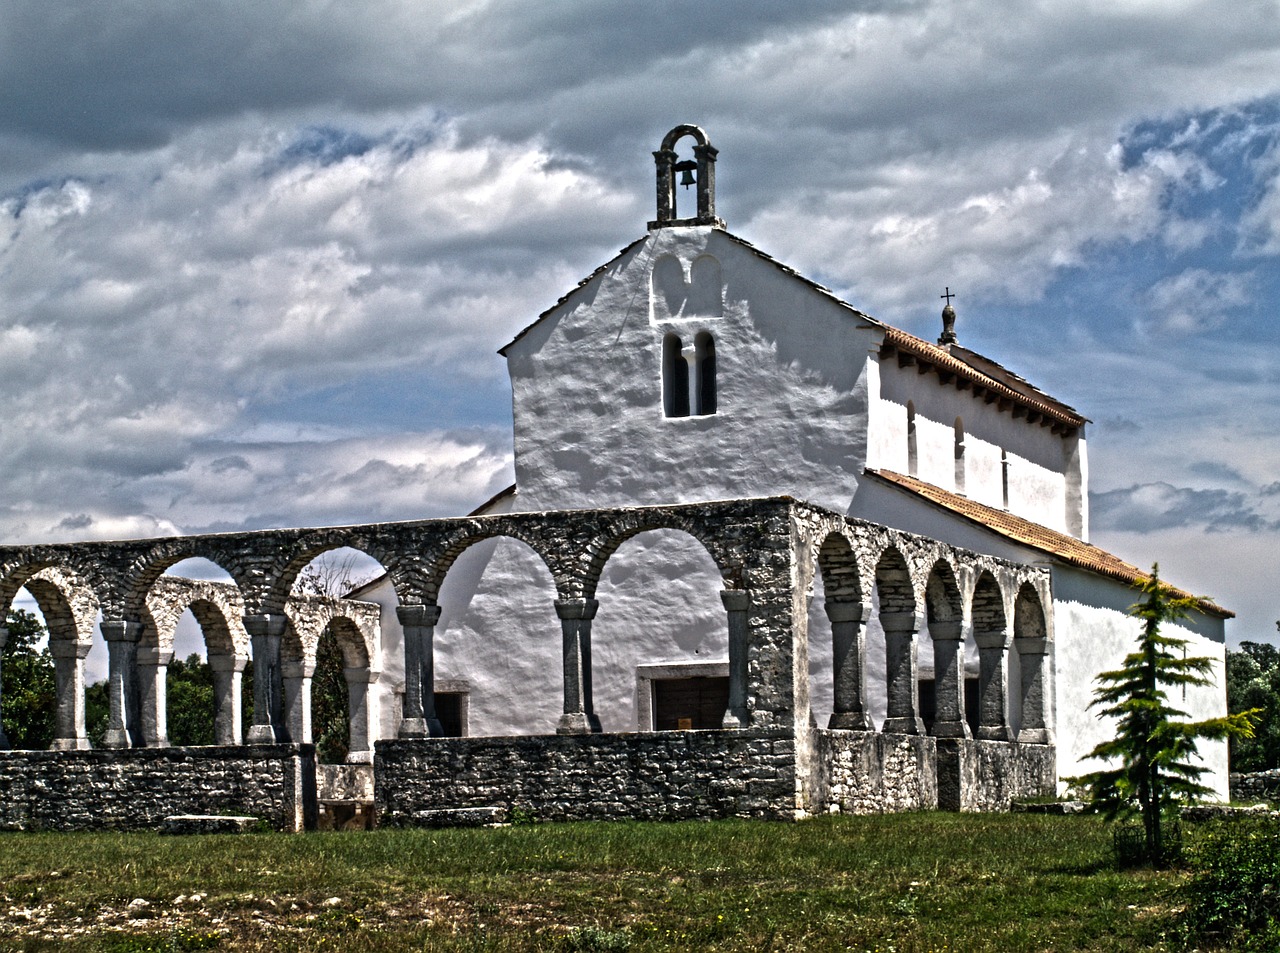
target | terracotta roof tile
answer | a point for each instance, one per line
(1059, 545)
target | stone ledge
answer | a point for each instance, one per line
(1225, 812)
(1047, 807)
(208, 824)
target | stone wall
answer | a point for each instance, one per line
(990, 775)
(861, 772)
(661, 775)
(1256, 786)
(137, 788)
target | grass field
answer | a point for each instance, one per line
(899, 883)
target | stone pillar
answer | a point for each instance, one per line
(900, 668)
(362, 705)
(1032, 653)
(849, 665)
(122, 692)
(579, 716)
(419, 624)
(68, 678)
(265, 632)
(295, 679)
(736, 603)
(993, 685)
(227, 680)
(153, 670)
(4, 638)
(948, 680)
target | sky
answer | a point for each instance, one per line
(256, 259)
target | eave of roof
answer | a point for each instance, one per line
(1060, 546)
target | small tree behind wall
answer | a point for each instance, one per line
(1156, 750)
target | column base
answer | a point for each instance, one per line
(70, 744)
(902, 725)
(994, 733)
(1035, 736)
(260, 735)
(735, 719)
(951, 729)
(574, 723)
(412, 729)
(159, 743)
(850, 721)
(115, 738)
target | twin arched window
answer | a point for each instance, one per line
(689, 376)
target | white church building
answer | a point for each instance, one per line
(693, 367)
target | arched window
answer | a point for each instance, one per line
(913, 455)
(705, 358)
(675, 378)
(959, 455)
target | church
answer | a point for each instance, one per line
(694, 367)
(765, 555)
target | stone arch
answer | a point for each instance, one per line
(481, 580)
(664, 584)
(679, 132)
(667, 287)
(142, 574)
(603, 546)
(1031, 639)
(845, 611)
(944, 616)
(899, 619)
(70, 609)
(991, 635)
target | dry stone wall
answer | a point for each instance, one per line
(666, 775)
(137, 789)
(990, 775)
(862, 772)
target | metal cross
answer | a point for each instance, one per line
(948, 295)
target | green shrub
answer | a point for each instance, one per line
(1234, 894)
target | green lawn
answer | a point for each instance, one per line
(899, 883)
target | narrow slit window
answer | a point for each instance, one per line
(913, 454)
(675, 378)
(705, 357)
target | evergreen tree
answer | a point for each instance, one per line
(28, 699)
(1154, 748)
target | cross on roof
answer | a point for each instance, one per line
(948, 295)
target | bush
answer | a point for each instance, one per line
(1234, 894)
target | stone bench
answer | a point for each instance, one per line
(208, 824)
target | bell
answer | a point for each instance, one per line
(686, 172)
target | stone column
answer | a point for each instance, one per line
(1032, 653)
(153, 670)
(122, 655)
(419, 624)
(736, 603)
(68, 678)
(295, 679)
(227, 680)
(849, 665)
(900, 667)
(948, 680)
(993, 685)
(4, 638)
(362, 705)
(265, 632)
(579, 716)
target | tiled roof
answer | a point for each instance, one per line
(1059, 545)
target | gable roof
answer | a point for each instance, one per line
(1060, 546)
(954, 364)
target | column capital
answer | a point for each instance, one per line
(297, 669)
(118, 630)
(151, 655)
(418, 615)
(65, 648)
(735, 600)
(568, 609)
(992, 638)
(847, 611)
(949, 630)
(899, 621)
(263, 623)
(228, 663)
